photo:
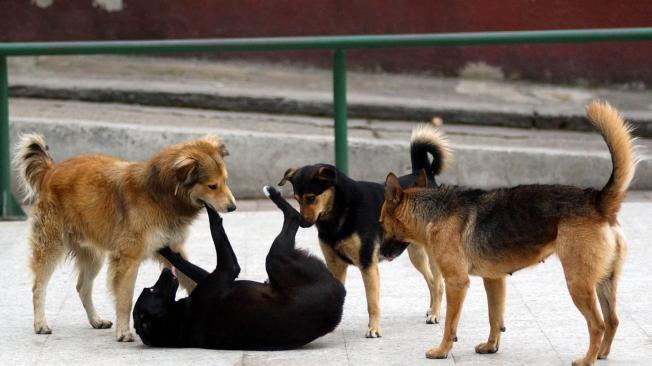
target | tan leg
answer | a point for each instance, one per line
(47, 251)
(419, 258)
(584, 297)
(607, 297)
(334, 263)
(123, 270)
(495, 289)
(89, 263)
(371, 279)
(456, 287)
(185, 282)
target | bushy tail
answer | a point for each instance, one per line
(428, 139)
(32, 161)
(617, 134)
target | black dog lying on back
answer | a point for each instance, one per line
(301, 302)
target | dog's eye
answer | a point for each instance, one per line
(212, 186)
(310, 199)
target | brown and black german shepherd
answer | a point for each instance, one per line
(497, 232)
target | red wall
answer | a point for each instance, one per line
(79, 20)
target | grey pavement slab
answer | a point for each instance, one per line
(543, 325)
(294, 89)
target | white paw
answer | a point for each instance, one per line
(266, 191)
(373, 332)
(42, 328)
(124, 336)
(432, 318)
(98, 323)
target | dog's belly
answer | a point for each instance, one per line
(506, 262)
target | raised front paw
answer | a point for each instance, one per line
(437, 353)
(373, 332)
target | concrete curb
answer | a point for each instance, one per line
(259, 158)
(319, 104)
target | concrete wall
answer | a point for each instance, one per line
(259, 159)
(48, 20)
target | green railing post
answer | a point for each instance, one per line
(339, 109)
(10, 208)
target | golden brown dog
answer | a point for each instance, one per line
(93, 205)
(495, 233)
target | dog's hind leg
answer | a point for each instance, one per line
(284, 242)
(47, 250)
(282, 269)
(89, 262)
(607, 297)
(495, 288)
(419, 258)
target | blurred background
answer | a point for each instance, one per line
(514, 113)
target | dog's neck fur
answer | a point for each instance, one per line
(422, 206)
(165, 190)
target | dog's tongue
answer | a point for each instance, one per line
(174, 272)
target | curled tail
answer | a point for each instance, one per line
(32, 161)
(428, 139)
(617, 134)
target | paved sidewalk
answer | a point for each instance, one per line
(543, 325)
(292, 89)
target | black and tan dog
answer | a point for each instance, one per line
(301, 301)
(495, 233)
(346, 215)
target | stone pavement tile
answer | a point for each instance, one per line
(543, 325)
(328, 350)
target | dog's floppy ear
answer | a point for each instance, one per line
(218, 143)
(393, 191)
(422, 180)
(185, 169)
(288, 175)
(327, 174)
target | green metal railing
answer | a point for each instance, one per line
(11, 210)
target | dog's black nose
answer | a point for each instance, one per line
(231, 208)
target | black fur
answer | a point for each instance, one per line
(520, 218)
(301, 302)
(356, 209)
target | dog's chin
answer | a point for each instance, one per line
(203, 203)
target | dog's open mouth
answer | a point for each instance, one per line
(174, 272)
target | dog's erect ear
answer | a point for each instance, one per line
(422, 180)
(327, 174)
(186, 170)
(393, 191)
(218, 143)
(288, 175)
